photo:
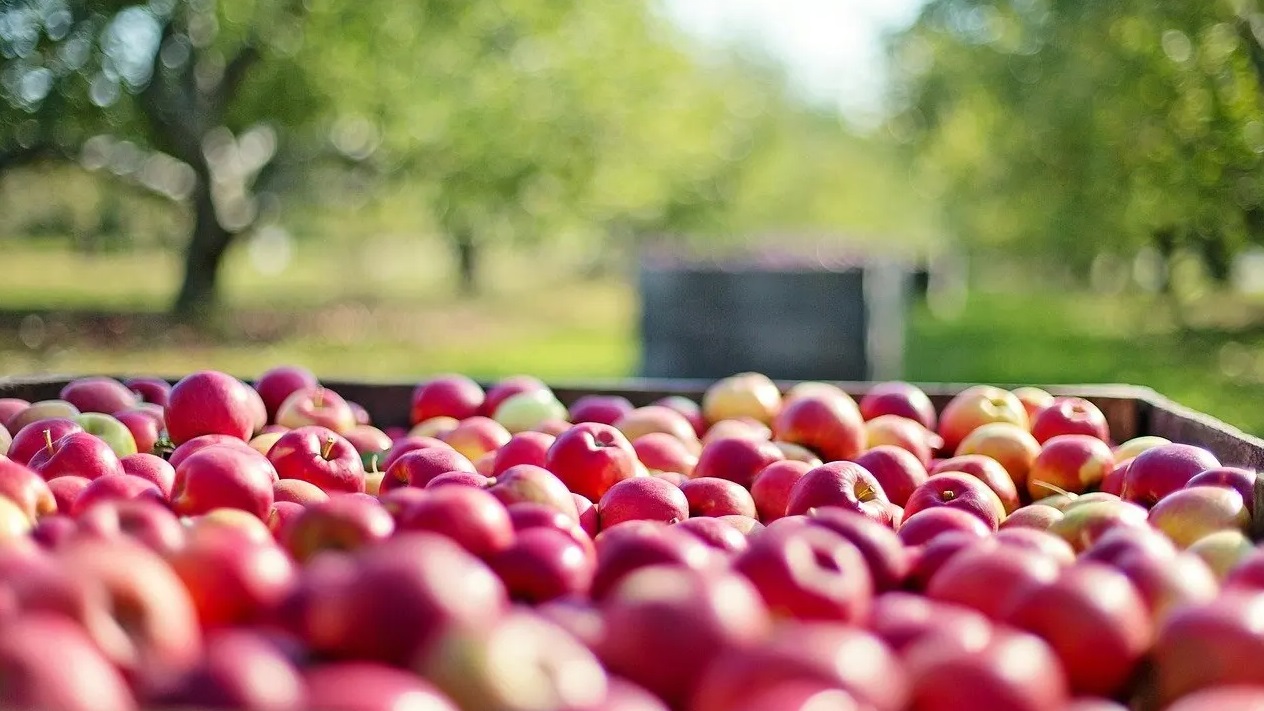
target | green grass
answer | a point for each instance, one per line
(394, 316)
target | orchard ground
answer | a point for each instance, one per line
(389, 312)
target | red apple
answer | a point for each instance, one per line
(988, 578)
(1034, 400)
(418, 467)
(320, 456)
(76, 454)
(911, 436)
(690, 409)
(30, 439)
(842, 484)
(830, 426)
(662, 452)
(27, 489)
(656, 418)
(1222, 698)
(923, 526)
(98, 394)
(743, 429)
(751, 395)
(688, 617)
(1085, 523)
(149, 389)
(144, 426)
(143, 520)
(589, 458)
(1070, 415)
(987, 470)
(298, 491)
(232, 521)
(42, 410)
(1036, 541)
(445, 396)
(900, 399)
(210, 402)
(902, 619)
(1169, 583)
(1003, 670)
(976, 406)
(715, 532)
(736, 459)
(606, 409)
(589, 521)
(1189, 514)
(231, 579)
(316, 406)
(1241, 480)
(1072, 463)
(525, 482)
(883, 551)
(928, 558)
(341, 523)
(240, 669)
(53, 530)
(223, 477)
(477, 481)
(48, 662)
(476, 436)
(409, 443)
(197, 444)
(642, 498)
(1159, 471)
(636, 544)
(471, 517)
(282, 516)
(1007, 444)
(543, 564)
(959, 491)
(809, 572)
(10, 406)
(710, 496)
(523, 448)
(276, 384)
(897, 471)
(366, 686)
(1215, 643)
(115, 487)
(65, 489)
(368, 441)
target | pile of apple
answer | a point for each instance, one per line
(220, 545)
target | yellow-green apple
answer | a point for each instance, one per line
(409, 443)
(1038, 516)
(472, 517)
(661, 452)
(903, 433)
(145, 427)
(690, 409)
(150, 389)
(900, 399)
(211, 402)
(48, 662)
(1236, 478)
(803, 651)
(987, 470)
(1189, 514)
(590, 457)
(809, 573)
(343, 523)
(633, 545)
(1137, 445)
(1010, 445)
(476, 436)
(922, 526)
(1095, 621)
(434, 427)
(276, 384)
(902, 619)
(10, 406)
(1072, 463)
(712, 496)
(657, 419)
(1159, 471)
(240, 668)
(26, 488)
(897, 470)
(98, 394)
(1083, 525)
(262, 443)
(30, 439)
(76, 454)
(298, 491)
(223, 477)
(845, 485)
(231, 579)
(361, 686)
(1222, 550)
(719, 534)
(527, 482)
(1213, 644)
(606, 409)
(745, 427)
(1070, 415)
(235, 522)
(41, 410)
(65, 489)
(960, 491)
(507, 388)
(528, 410)
(113, 487)
(642, 498)
(829, 426)
(1034, 400)
(751, 395)
(110, 430)
(772, 486)
(737, 459)
(882, 550)
(521, 661)
(320, 456)
(146, 521)
(316, 406)
(1007, 669)
(418, 467)
(448, 395)
(543, 564)
(688, 616)
(1041, 542)
(523, 448)
(989, 578)
(975, 406)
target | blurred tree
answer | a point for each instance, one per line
(1071, 128)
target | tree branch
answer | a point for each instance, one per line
(234, 74)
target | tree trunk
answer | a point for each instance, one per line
(467, 255)
(199, 292)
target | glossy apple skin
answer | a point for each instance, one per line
(902, 619)
(894, 431)
(772, 486)
(525, 482)
(751, 395)
(988, 578)
(523, 448)
(409, 443)
(717, 533)
(642, 498)
(98, 394)
(1074, 463)
(114, 487)
(884, 554)
(959, 491)
(544, 564)
(41, 410)
(210, 402)
(924, 526)
(342, 523)
(366, 686)
(1159, 471)
(76, 454)
(10, 406)
(276, 384)
(507, 388)
(900, 399)
(48, 662)
(737, 459)
(1216, 643)
(1003, 670)
(1009, 445)
(30, 439)
(1241, 480)
(975, 406)
(1034, 400)
(661, 452)
(636, 544)
(418, 467)
(1082, 525)
(143, 520)
(987, 470)
(897, 470)
(320, 456)
(316, 406)
(476, 436)
(65, 489)
(1188, 514)
(144, 427)
(589, 458)
(835, 586)
(471, 517)
(26, 488)
(224, 477)
(197, 444)
(447, 395)
(1070, 415)
(831, 426)
(842, 484)
(655, 418)
(606, 409)
(232, 579)
(710, 496)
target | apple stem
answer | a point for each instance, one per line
(318, 399)
(373, 464)
(1056, 489)
(329, 448)
(48, 440)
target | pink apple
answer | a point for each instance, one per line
(365, 686)
(418, 467)
(1037, 516)
(830, 426)
(1159, 471)
(507, 388)
(1006, 670)
(298, 491)
(633, 545)
(25, 488)
(276, 384)
(10, 406)
(320, 456)
(655, 418)
(642, 498)
(989, 578)
(75, 454)
(902, 619)
(709, 496)
(900, 399)
(523, 448)
(30, 439)
(772, 486)
(959, 491)
(42, 410)
(897, 471)
(478, 481)
(143, 520)
(690, 409)
(368, 441)
(65, 489)
(976, 406)
(114, 487)
(543, 564)
(715, 532)
(987, 470)
(606, 409)
(1009, 445)
(1072, 463)
(587, 512)
(98, 394)
(409, 443)
(589, 458)
(219, 477)
(316, 406)
(809, 572)
(923, 526)
(343, 523)
(743, 429)
(911, 436)
(1070, 415)
(1241, 480)
(662, 452)
(843, 484)
(144, 426)
(471, 517)
(197, 444)
(210, 402)
(1083, 524)
(49, 662)
(525, 482)
(1188, 514)
(883, 552)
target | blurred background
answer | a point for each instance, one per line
(1020, 191)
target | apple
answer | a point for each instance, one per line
(1169, 583)
(369, 441)
(320, 456)
(30, 439)
(507, 388)
(276, 384)
(477, 481)
(1137, 445)
(525, 482)
(109, 430)
(632, 545)
(527, 410)
(657, 419)
(75, 454)
(1034, 400)
(662, 452)
(1160, 470)
(1006, 443)
(715, 532)
(65, 489)
(48, 662)
(235, 522)
(959, 491)
(884, 554)
(1222, 551)
(197, 444)
(1213, 644)
(25, 488)
(281, 517)
(53, 530)
(98, 394)
(475, 436)
(743, 428)
(811, 388)
(989, 578)
(606, 409)
(418, 467)
(904, 433)
(343, 523)
(900, 399)
(41, 410)
(1042, 542)
(523, 448)
(316, 406)
(10, 406)
(829, 426)
(809, 573)
(985, 469)
(544, 564)
(924, 526)
(589, 522)
(231, 579)
(842, 484)
(1005, 670)
(262, 443)
(1070, 415)
(409, 443)
(367, 686)
(143, 520)
(144, 428)
(772, 486)
(902, 619)
(447, 395)
(1238, 479)
(113, 487)
(736, 459)
(149, 389)
(1113, 483)
(975, 406)
(1072, 463)
(590, 457)
(688, 617)
(751, 395)
(711, 496)
(1037, 516)
(1188, 514)
(1221, 698)
(434, 427)
(552, 427)
(642, 498)
(211, 402)
(298, 491)
(472, 517)
(897, 471)
(690, 409)
(799, 453)
(241, 668)
(219, 477)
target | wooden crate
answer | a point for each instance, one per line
(1131, 411)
